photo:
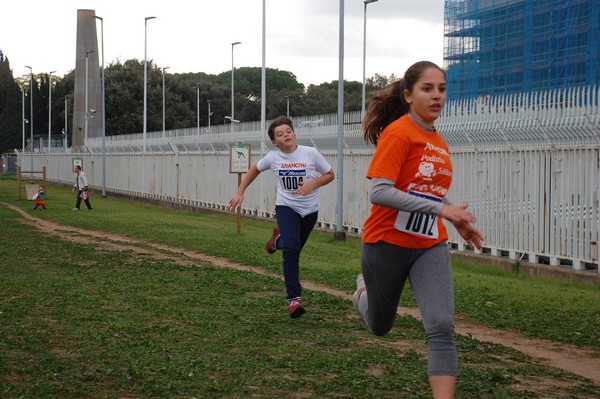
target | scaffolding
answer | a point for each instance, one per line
(498, 47)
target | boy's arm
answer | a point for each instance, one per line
(324, 179)
(307, 187)
(239, 194)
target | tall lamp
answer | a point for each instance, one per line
(209, 115)
(49, 112)
(198, 107)
(364, 90)
(163, 76)
(66, 129)
(88, 114)
(146, 19)
(232, 84)
(23, 121)
(31, 115)
(103, 110)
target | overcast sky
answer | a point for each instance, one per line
(302, 36)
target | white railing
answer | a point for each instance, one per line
(528, 165)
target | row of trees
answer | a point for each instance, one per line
(124, 98)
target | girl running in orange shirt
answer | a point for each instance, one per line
(404, 236)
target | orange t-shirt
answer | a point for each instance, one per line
(419, 164)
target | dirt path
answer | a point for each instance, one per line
(583, 362)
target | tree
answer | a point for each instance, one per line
(124, 98)
(63, 89)
(41, 105)
(248, 91)
(10, 108)
(378, 82)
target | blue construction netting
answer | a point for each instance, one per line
(496, 47)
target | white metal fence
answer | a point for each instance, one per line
(528, 165)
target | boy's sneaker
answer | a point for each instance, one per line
(75, 209)
(295, 307)
(272, 244)
(360, 288)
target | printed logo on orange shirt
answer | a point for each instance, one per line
(426, 171)
(428, 188)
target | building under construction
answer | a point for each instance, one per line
(494, 47)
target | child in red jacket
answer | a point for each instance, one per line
(40, 198)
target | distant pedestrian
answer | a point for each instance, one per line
(81, 185)
(404, 236)
(300, 171)
(40, 198)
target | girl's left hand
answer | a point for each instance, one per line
(470, 234)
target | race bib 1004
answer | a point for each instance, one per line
(291, 179)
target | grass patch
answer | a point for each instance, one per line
(78, 320)
(537, 306)
(541, 307)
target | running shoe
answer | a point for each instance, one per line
(295, 307)
(272, 244)
(360, 288)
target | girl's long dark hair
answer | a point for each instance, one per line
(388, 104)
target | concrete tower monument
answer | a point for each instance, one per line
(87, 48)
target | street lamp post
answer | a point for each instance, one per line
(87, 111)
(31, 115)
(288, 106)
(163, 76)
(364, 90)
(66, 129)
(146, 19)
(198, 107)
(209, 115)
(23, 118)
(340, 234)
(49, 112)
(103, 110)
(232, 85)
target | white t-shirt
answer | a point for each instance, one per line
(304, 164)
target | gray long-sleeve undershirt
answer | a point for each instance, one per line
(385, 194)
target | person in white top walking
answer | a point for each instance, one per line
(300, 171)
(81, 184)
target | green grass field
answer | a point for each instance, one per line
(79, 320)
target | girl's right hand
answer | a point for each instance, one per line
(458, 214)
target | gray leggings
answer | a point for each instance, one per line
(385, 268)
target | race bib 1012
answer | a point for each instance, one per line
(418, 223)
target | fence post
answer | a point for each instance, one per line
(19, 181)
